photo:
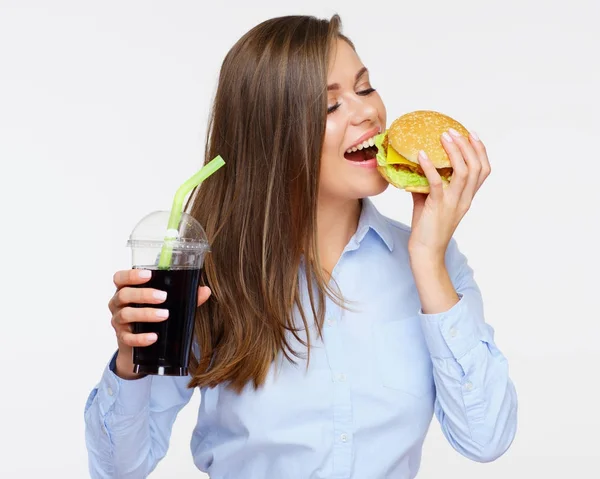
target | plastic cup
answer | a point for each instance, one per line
(187, 246)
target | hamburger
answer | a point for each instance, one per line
(398, 149)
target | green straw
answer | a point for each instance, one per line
(177, 210)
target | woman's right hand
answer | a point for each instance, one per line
(123, 314)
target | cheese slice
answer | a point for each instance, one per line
(395, 158)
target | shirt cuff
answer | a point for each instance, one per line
(453, 333)
(123, 397)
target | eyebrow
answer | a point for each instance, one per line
(336, 86)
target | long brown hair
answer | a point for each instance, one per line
(259, 210)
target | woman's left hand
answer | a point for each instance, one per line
(436, 215)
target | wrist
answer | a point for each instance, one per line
(427, 260)
(434, 286)
(124, 364)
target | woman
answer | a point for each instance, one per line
(340, 379)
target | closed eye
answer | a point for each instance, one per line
(332, 108)
(366, 92)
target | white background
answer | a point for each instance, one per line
(103, 108)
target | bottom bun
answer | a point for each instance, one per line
(417, 189)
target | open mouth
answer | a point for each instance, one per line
(362, 152)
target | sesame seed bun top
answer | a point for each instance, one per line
(421, 130)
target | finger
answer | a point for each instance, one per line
(473, 165)
(460, 172)
(433, 177)
(140, 315)
(126, 296)
(130, 277)
(481, 151)
(204, 293)
(137, 340)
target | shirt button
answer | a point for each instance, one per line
(330, 322)
(453, 332)
(344, 438)
(109, 391)
(469, 386)
(342, 377)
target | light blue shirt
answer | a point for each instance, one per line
(362, 408)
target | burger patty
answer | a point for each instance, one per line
(443, 172)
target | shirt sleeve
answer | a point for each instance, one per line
(128, 423)
(476, 401)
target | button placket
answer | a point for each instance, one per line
(342, 399)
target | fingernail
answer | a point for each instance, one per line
(474, 135)
(162, 313)
(447, 137)
(162, 295)
(151, 337)
(145, 273)
(454, 133)
(423, 155)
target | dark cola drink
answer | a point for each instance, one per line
(170, 353)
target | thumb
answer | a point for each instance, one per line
(419, 199)
(204, 293)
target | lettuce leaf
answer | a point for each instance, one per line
(381, 155)
(406, 178)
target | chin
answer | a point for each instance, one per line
(374, 187)
(348, 182)
(381, 187)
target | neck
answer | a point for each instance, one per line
(337, 221)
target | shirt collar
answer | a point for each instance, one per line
(371, 218)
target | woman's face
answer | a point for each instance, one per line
(355, 114)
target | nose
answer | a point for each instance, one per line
(363, 110)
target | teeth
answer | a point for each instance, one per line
(364, 144)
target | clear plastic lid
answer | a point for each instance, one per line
(151, 231)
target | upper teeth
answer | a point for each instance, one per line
(364, 144)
